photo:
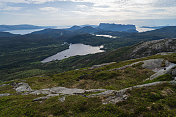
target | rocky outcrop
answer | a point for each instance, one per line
(94, 90)
(126, 66)
(113, 96)
(62, 99)
(101, 65)
(166, 70)
(46, 97)
(159, 66)
(4, 94)
(22, 87)
(107, 96)
(59, 90)
(173, 73)
(153, 64)
(153, 47)
(3, 85)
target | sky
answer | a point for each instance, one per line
(79, 12)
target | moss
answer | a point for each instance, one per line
(7, 89)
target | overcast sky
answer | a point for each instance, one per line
(78, 12)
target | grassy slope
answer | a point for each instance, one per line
(154, 101)
(157, 101)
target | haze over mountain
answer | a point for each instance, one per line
(104, 27)
(22, 27)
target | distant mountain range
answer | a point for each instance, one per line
(117, 27)
(104, 27)
(153, 27)
(21, 27)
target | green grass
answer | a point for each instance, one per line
(93, 79)
(165, 77)
(154, 101)
(7, 89)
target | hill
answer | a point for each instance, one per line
(111, 89)
(7, 34)
(26, 51)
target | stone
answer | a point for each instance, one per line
(94, 90)
(101, 65)
(45, 97)
(165, 53)
(153, 64)
(59, 90)
(150, 84)
(53, 95)
(41, 98)
(166, 70)
(62, 99)
(4, 94)
(23, 87)
(153, 47)
(42, 91)
(69, 91)
(3, 85)
(105, 93)
(173, 72)
(126, 66)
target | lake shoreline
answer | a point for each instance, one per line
(74, 50)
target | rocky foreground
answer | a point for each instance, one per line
(107, 96)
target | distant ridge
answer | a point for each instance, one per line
(103, 27)
(21, 27)
(117, 27)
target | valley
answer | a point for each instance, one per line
(66, 72)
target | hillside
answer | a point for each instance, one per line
(134, 77)
(7, 34)
(26, 51)
(139, 87)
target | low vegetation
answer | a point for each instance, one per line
(154, 101)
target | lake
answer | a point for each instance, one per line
(23, 32)
(109, 36)
(74, 49)
(140, 29)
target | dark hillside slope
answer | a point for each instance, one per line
(7, 34)
(166, 32)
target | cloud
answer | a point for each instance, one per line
(92, 10)
(8, 8)
(82, 6)
(13, 1)
(50, 9)
(4, 7)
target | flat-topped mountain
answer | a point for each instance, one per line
(104, 27)
(117, 27)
